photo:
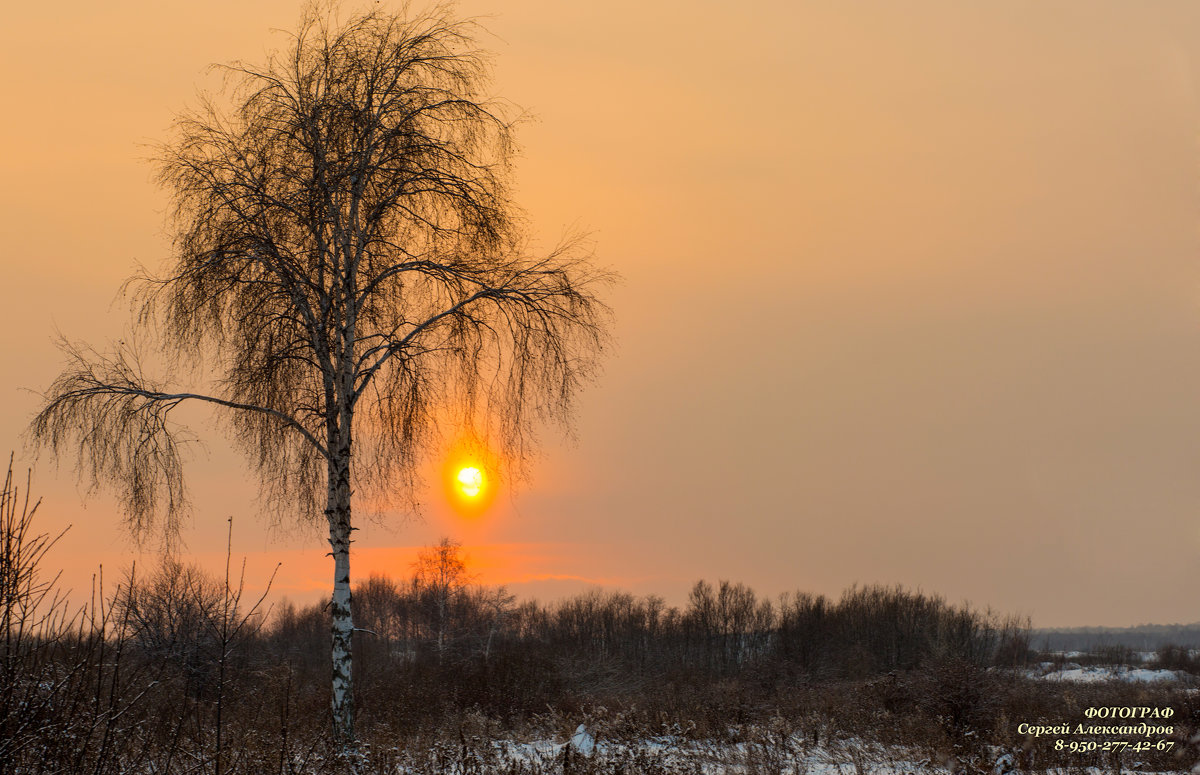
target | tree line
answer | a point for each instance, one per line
(174, 669)
(434, 623)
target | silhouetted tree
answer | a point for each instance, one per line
(350, 274)
(174, 614)
(440, 576)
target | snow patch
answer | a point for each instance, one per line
(1077, 674)
(582, 741)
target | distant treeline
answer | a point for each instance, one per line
(1143, 638)
(434, 629)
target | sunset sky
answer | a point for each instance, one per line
(911, 293)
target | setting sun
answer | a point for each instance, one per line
(470, 475)
(470, 481)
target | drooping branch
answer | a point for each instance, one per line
(118, 424)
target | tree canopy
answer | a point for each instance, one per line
(350, 279)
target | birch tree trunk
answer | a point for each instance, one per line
(342, 629)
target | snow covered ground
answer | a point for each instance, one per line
(1094, 674)
(669, 756)
(666, 755)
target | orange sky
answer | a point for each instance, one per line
(911, 291)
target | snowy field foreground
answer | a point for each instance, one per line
(667, 757)
(1099, 673)
(673, 756)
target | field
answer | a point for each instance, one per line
(175, 671)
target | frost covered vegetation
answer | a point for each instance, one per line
(173, 671)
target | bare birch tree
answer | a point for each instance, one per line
(351, 276)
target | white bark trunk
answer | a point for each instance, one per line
(342, 629)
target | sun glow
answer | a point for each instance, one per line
(471, 477)
(470, 481)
